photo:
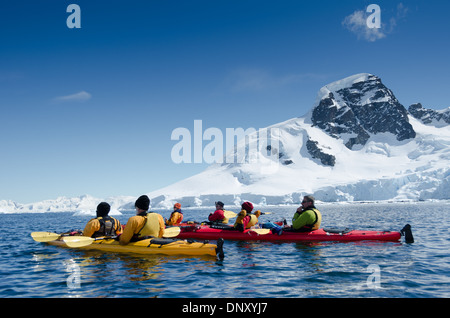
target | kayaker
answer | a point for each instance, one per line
(245, 219)
(102, 225)
(219, 215)
(307, 217)
(176, 217)
(143, 224)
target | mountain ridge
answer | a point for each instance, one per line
(354, 120)
(357, 143)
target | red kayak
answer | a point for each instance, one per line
(206, 232)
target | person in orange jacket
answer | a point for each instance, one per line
(176, 217)
(102, 225)
(143, 224)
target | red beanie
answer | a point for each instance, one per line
(247, 206)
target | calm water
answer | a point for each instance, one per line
(362, 269)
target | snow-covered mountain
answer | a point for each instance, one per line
(357, 107)
(358, 143)
(438, 118)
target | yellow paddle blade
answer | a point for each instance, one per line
(261, 231)
(171, 231)
(229, 214)
(78, 241)
(44, 236)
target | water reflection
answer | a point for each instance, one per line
(311, 252)
(99, 274)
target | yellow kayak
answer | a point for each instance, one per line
(152, 246)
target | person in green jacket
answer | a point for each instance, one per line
(307, 217)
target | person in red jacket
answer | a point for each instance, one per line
(219, 215)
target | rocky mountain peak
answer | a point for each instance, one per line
(438, 118)
(358, 106)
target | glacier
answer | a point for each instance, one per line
(81, 205)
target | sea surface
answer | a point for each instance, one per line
(249, 270)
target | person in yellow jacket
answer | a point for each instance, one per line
(245, 219)
(307, 217)
(176, 217)
(102, 225)
(143, 224)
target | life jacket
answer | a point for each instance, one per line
(225, 219)
(107, 226)
(246, 220)
(151, 226)
(253, 220)
(316, 224)
(176, 217)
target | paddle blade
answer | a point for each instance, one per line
(78, 241)
(171, 231)
(261, 231)
(44, 236)
(229, 214)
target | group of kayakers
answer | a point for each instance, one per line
(245, 219)
(306, 218)
(151, 224)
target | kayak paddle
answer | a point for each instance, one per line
(44, 236)
(172, 231)
(261, 231)
(81, 241)
(231, 214)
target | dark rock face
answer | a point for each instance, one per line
(430, 116)
(354, 110)
(317, 153)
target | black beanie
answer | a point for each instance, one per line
(220, 203)
(143, 203)
(103, 209)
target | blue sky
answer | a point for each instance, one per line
(91, 110)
